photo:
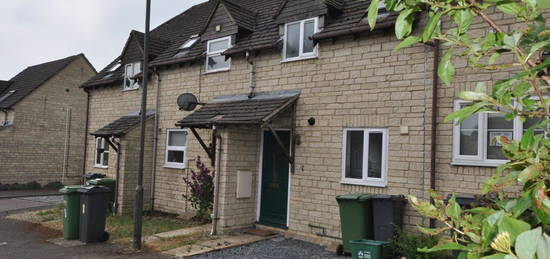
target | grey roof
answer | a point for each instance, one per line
(4, 85)
(30, 79)
(259, 18)
(119, 127)
(239, 109)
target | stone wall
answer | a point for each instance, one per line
(33, 148)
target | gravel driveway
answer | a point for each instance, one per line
(274, 248)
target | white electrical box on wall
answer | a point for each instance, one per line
(244, 184)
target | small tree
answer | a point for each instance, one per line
(504, 227)
(201, 187)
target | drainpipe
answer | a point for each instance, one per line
(155, 141)
(252, 75)
(86, 134)
(117, 183)
(66, 144)
(215, 219)
(433, 146)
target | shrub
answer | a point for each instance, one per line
(201, 190)
(407, 244)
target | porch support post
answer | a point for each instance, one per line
(206, 149)
(285, 151)
(111, 144)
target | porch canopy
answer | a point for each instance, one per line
(258, 110)
(118, 128)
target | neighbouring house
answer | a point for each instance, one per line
(42, 122)
(304, 103)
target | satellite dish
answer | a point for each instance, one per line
(187, 102)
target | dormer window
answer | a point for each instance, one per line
(130, 71)
(215, 61)
(297, 40)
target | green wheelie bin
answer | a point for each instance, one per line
(370, 249)
(71, 213)
(111, 185)
(355, 218)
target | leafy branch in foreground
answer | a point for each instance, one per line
(506, 225)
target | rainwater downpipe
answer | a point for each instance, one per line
(66, 144)
(252, 82)
(215, 218)
(87, 123)
(155, 141)
(117, 183)
(433, 146)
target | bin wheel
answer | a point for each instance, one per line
(104, 237)
(340, 250)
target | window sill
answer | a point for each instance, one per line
(216, 71)
(364, 183)
(479, 163)
(175, 166)
(101, 167)
(130, 89)
(299, 59)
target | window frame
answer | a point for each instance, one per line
(481, 158)
(100, 164)
(127, 78)
(175, 148)
(217, 53)
(366, 180)
(301, 54)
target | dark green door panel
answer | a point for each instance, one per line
(275, 171)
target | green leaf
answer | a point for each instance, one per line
(494, 256)
(527, 242)
(530, 172)
(513, 226)
(446, 69)
(543, 247)
(510, 8)
(373, 13)
(527, 139)
(464, 113)
(473, 96)
(453, 209)
(407, 42)
(444, 247)
(403, 23)
(543, 3)
(431, 26)
(463, 18)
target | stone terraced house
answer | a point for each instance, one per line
(42, 122)
(299, 102)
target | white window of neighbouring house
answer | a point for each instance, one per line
(475, 139)
(176, 148)
(101, 153)
(365, 157)
(130, 70)
(297, 42)
(215, 61)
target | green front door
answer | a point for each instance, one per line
(275, 170)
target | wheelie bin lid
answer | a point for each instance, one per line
(70, 189)
(354, 197)
(388, 197)
(102, 181)
(370, 242)
(93, 189)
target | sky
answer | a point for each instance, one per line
(38, 31)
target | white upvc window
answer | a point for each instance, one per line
(475, 139)
(176, 148)
(297, 42)
(365, 156)
(101, 153)
(130, 70)
(215, 61)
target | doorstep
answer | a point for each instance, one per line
(179, 232)
(216, 244)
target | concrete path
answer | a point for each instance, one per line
(24, 240)
(17, 204)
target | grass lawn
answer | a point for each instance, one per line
(121, 228)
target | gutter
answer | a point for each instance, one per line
(218, 146)
(354, 30)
